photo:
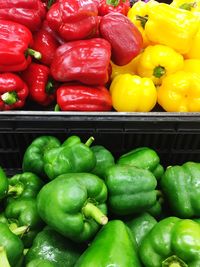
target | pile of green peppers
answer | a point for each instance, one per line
(75, 205)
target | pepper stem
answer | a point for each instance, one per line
(90, 210)
(50, 3)
(188, 6)
(57, 108)
(89, 141)
(3, 258)
(33, 53)
(20, 230)
(174, 261)
(159, 71)
(112, 2)
(16, 190)
(143, 20)
(49, 89)
(9, 98)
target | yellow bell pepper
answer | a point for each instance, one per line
(192, 65)
(138, 14)
(180, 92)
(158, 61)
(131, 93)
(194, 51)
(171, 26)
(190, 5)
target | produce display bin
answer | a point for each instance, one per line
(175, 136)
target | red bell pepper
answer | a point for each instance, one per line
(74, 19)
(15, 40)
(125, 39)
(86, 61)
(41, 86)
(108, 6)
(13, 91)
(29, 13)
(77, 97)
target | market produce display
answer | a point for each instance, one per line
(102, 55)
(81, 206)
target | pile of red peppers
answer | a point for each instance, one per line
(58, 52)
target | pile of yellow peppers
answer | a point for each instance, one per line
(167, 71)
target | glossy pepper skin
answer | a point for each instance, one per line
(108, 6)
(74, 20)
(172, 242)
(127, 91)
(77, 97)
(180, 185)
(118, 30)
(86, 61)
(40, 263)
(194, 48)
(193, 6)
(33, 160)
(3, 184)
(73, 156)
(13, 91)
(180, 26)
(73, 204)
(29, 14)
(131, 190)
(180, 92)
(10, 244)
(158, 61)
(15, 41)
(112, 246)
(23, 212)
(41, 86)
(54, 248)
(192, 65)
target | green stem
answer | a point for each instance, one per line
(174, 261)
(89, 141)
(50, 3)
(3, 258)
(112, 2)
(16, 190)
(49, 89)
(188, 6)
(9, 98)
(159, 71)
(33, 53)
(57, 108)
(143, 20)
(20, 230)
(90, 210)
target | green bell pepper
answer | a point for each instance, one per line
(112, 246)
(181, 187)
(23, 212)
(24, 185)
(73, 204)
(41, 263)
(130, 190)
(3, 184)
(143, 158)
(172, 242)
(140, 226)
(33, 157)
(104, 160)
(54, 248)
(11, 247)
(73, 156)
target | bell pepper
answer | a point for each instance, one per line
(13, 91)
(15, 53)
(104, 160)
(40, 263)
(55, 35)
(172, 243)
(192, 65)
(131, 190)
(180, 92)
(11, 247)
(108, 6)
(194, 48)
(170, 26)
(80, 97)
(125, 39)
(25, 185)
(29, 14)
(53, 247)
(86, 61)
(180, 185)
(40, 83)
(140, 226)
(73, 204)
(127, 91)
(112, 246)
(33, 160)
(69, 158)
(190, 5)
(23, 212)
(3, 184)
(74, 20)
(158, 61)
